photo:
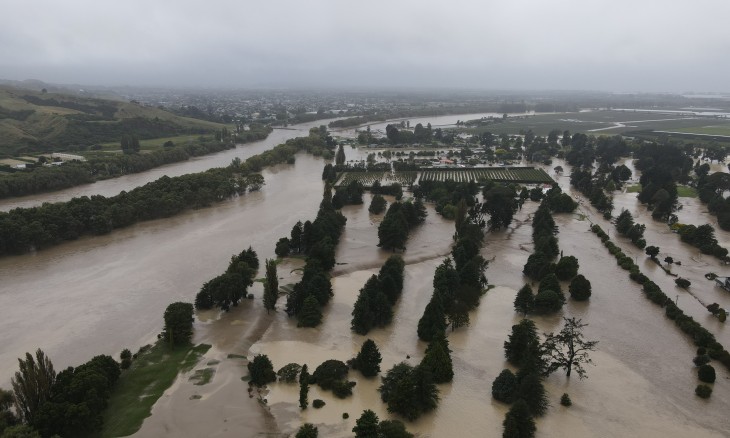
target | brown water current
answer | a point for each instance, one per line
(101, 294)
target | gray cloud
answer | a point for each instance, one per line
(620, 45)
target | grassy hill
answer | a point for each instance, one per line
(32, 121)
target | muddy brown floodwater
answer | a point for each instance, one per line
(101, 294)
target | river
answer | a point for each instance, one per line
(101, 294)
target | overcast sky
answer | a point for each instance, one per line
(613, 45)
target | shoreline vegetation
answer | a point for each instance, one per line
(105, 165)
(24, 230)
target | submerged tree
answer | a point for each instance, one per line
(568, 349)
(525, 300)
(303, 387)
(518, 422)
(271, 286)
(368, 359)
(367, 425)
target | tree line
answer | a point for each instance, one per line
(702, 337)
(374, 305)
(400, 218)
(26, 229)
(316, 240)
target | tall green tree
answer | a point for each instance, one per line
(524, 300)
(433, 321)
(32, 385)
(261, 370)
(271, 286)
(367, 425)
(522, 342)
(311, 314)
(340, 156)
(308, 430)
(179, 323)
(438, 360)
(518, 422)
(303, 387)
(368, 359)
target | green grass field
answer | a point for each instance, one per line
(682, 191)
(606, 120)
(155, 143)
(143, 383)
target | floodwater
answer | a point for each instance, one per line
(101, 294)
(111, 187)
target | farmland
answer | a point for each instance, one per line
(527, 175)
(606, 122)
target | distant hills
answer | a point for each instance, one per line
(33, 121)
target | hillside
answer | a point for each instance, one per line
(33, 121)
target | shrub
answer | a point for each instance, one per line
(261, 370)
(342, 388)
(682, 282)
(703, 391)
(503, 387)
(700, 360)
(308, 430)
(565, 400)
(566, 268)
(706, 373)
(328, 373)
(547, 301)
(580, 288)
(318, 403)
(288, 373)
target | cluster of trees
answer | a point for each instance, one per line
(369, 426)
(501, 203)
(539, 263)
(703, 237)
(69, 403)
(409, 391)
(393, 189)
(567, 350)
(557, 201)
(457, 286)
(374, 305)
(41, 179)
(25, 229)
(229, 288)
(700, 335)
(592, 187)
(397, 223)
(662, 166)
(447, 195)
(317, 240)
(349, 195)
(711, 189)
(626, 227)
(332, 375)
